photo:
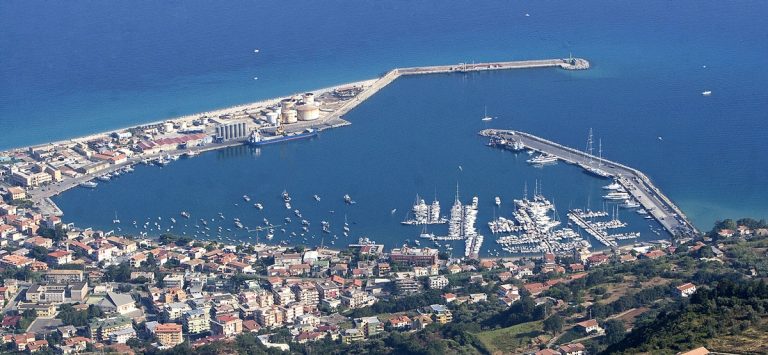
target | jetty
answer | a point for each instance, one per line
(635, 182)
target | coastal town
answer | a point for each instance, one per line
(75, 289)
(82, 290)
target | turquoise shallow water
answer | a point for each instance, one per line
(78, 67)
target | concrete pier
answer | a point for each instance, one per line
(637, 184)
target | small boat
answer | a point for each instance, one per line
(239, 224)
(287, 219)
(173, 220)
(393, 211)
(614, 186)
(486, 118)
(286, 197)
(317, 198)
(104, 178)
(258, 206)
(707, 93)
(116, 221)
(287, 205)
(497, 201)
(347, 199)
(246, 198)
(185, 214)
(88, 184)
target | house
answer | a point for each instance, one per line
(653, 254)
(686, 289)
(454, 269)
(547, 352)
(589, 326)
(400, 322)
(572, 349)
(449, 297)
(478, 297)
(60, 257)
(352, 335)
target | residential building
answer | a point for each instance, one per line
(438, 282)
(414, 256)
(169, 334)
(227, 326)
(196, 321)
(686, 289)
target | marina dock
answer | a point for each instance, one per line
(637, 184)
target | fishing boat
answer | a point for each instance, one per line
(347, 199)
(286, 197)
(287, 205)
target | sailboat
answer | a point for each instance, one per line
(485, 116)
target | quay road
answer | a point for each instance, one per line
(392, 75)
(637, 184)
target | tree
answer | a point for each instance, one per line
(614, 331)
(553, 324)
(39, 253)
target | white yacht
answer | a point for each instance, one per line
(543, 158)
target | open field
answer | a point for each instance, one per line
(512, 339)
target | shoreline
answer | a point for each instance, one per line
(41, 196)
(190, 117)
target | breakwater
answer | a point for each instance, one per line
(635, 182)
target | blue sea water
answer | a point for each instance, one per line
(72, 68)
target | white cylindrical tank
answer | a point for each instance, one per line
(289, 116)
(272, 118)
(308, 112)
(309, 98)
(168, 127)
(287, 104)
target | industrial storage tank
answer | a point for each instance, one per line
(308, 112)
(287, 104)
(272, 118)
(309, 98)
(289, 116)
